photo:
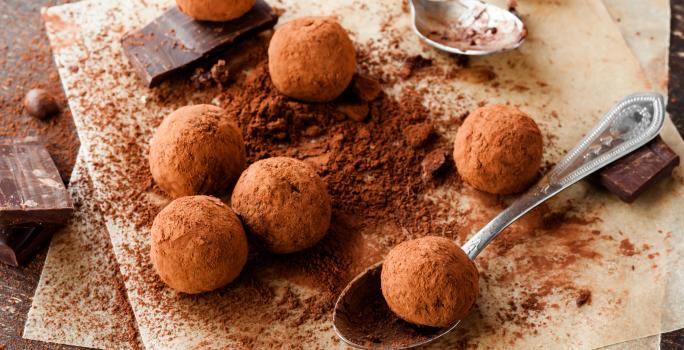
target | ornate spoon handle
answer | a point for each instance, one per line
(630, 124)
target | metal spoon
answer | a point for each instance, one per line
(466, 27)
(362, 318)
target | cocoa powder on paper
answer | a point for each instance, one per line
(378, 180)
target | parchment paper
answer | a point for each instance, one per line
(645, 25)
(348, 25)
(650, 41)
(79, 299)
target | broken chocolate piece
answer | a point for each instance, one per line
(31, 190)
(630, 176)
(19, 243)
(174, 41)
(433, 163)
(365, 88)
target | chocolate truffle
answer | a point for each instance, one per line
(284, 203)
(429, 281)
(311, 59)
(197, 150)
(215, 10)
(40, 104)
(498, 149)
(198, 244)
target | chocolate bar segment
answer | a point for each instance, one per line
(630, 176)
(175, 41)
(19, 243)
(31, 190)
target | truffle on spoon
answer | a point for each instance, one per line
(429, 281)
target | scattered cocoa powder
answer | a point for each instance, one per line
(377, 184)
(627, 248)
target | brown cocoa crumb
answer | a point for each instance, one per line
(365, 88)
(627, 248)
(584, 297)
(434, 162)
(413, 64)
(417, 135)
(355, 111)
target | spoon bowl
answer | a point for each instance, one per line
(364, 320)
(466, 27)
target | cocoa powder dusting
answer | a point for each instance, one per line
(384, 169)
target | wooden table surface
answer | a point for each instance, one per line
(26, 62)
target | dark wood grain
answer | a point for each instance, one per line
(675, 340)
(25, 62)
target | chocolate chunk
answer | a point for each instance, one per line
(19, 243)
(174, 41)
(417, 135)
(631, 175)
(433, 163)
(583, 298)
(413, 64)
(40, 104)
(365, 88)
(31, 190)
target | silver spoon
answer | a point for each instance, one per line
(466, 27)
(361, 317)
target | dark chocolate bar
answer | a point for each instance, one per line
(630, 176)
(174, 41)
(31, 190)
(19, 243)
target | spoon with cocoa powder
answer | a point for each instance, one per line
(362, 317)
(466, 27)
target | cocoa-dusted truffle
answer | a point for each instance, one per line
(498, 149)
(197, 150)
(41, 104)
(429, 281)
(215, 10)
(198, 244)
(284, 203)
(311, 59)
